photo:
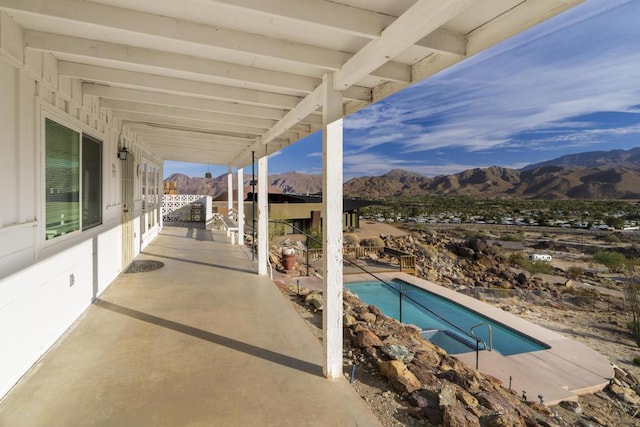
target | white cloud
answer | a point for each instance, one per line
(370, 164)
(564, 70)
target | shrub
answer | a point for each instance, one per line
(539, 267)
(636, 360)
(277, 229)
(427, 250)
(374, 241)
(315, 238)
(614, 261)
(518, 259)
(513, 237)
(475, 234)
(632, 299)
(612, 238)
(575, 272)
(350, 240)
(533, 267)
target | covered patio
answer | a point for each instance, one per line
(96, 95)
(200, 341)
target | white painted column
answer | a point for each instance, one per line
(229, 191)
(263, 216)
(29, 192)
(332, 228)
(160, 194)
(240, 207)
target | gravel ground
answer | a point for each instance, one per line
(597, 328)
(600, 324)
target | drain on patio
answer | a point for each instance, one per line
(144, 265)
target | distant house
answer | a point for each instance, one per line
(300, 211)
(507, 245)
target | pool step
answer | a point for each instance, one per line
(428, 333)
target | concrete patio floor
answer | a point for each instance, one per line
(202, 341)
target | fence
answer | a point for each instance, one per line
(349, 252)
(406, 262)
(186, 208)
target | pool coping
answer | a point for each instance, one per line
(562, 372)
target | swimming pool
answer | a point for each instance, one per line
(443, 322)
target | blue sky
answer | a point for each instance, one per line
(569, 85)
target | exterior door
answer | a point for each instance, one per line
(128, 182)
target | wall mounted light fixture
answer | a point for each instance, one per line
(123, 153)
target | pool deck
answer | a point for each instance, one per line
(202, 341)
(562, 372)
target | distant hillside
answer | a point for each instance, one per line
(393, 183)
(292, 182)
(595, 175)
(549, 182)
(595, 159)
(485, 182)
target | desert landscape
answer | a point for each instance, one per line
(589, 309)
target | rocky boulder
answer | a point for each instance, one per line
(366, 338)
(397, 352)
(456, 415)
(314, 299)
(401, 378)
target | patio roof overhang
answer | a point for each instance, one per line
(213, 80)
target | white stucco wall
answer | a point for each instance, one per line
(46, 285)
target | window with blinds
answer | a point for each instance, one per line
(91, 182)
(73, 180)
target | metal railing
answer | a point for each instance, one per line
(478, 340)
(348, 251)
(406, 262)
(398, 289)
(311, 238)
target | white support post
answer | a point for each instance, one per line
(332, 228)
(229, 191)
(263, 216)
(161, 192)
(240, 207)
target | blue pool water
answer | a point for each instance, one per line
(444, 322)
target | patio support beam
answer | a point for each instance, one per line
(332, 134)
(212, 118)
(181, 101)
(159, 62)
(263, 215)
(197, 35)
(157, 59)
(306, 107)
(179, 134)
(176, 85)
(351, 20)
(424, 17)
(229, 191)
(186, 123)
(240, 173)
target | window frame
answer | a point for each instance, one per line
(48, 112)
(85, 136)
(149, 195)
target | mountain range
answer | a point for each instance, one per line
(593, 175)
